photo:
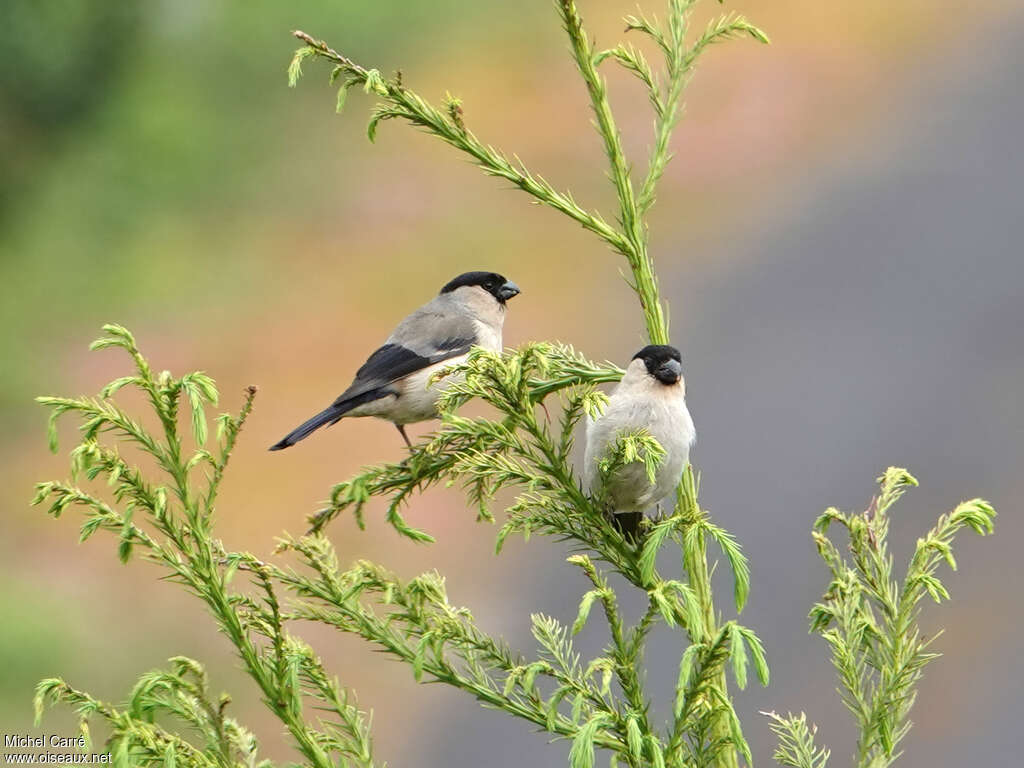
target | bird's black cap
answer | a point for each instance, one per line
(663, 362)
(492, 282)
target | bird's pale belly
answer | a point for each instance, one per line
(413, 399)
(417, 401)
(630, 488)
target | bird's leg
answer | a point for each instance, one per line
(401, 429)
(659, 515)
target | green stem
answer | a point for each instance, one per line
(230, 438)
(207, 579)
(383, 633)
(214, 593)
(668, 116)
(626, 651)
(631, 218)
(407, 105)
(695, 563)
(584, 55)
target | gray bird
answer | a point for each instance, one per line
(392, 383)
(652, 395)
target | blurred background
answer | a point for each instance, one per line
(838, 238)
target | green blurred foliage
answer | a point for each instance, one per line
(28, 637)
(150, 138)
(59, 62)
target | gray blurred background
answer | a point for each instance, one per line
(837, 238)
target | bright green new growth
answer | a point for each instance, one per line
(179, 693)
(540, 393)
(170, 520)
(869, 620)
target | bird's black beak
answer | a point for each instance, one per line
(669, 372)
(507, 291)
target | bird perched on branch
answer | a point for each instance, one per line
(393, 383)
(651, 396)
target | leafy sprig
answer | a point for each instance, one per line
(796, 742)
(179, 693)
(869, 618)
(171, 520)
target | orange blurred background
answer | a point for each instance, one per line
(837, 238)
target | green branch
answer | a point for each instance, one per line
(596, 89)
(180, 694)
(399, 102)
(869, 619)
(188, 551)
(415, 623)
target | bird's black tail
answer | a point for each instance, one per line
(328, 416)
(304, 430)
(628, 524)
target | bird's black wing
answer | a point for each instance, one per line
(438, 337)
(393, 362)
(428, 336)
